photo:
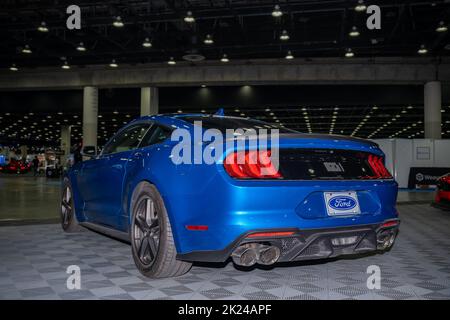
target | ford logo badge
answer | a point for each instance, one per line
(342, 203)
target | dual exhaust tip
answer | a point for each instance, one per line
(385, 239)
(249, 254)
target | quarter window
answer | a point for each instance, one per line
(156, 135)
(128, 139)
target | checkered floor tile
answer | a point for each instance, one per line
(34, 258)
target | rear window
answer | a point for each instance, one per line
(223, 123)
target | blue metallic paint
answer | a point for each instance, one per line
(207, 195)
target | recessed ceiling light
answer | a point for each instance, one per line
(276, 13)
(81, 47)
(113, 64)
(65, 66)
(361, 6)
(171, 61)
(43, 27)
(442, 27)
(147, 43)
(284, 35)
(354, 32)
(13, 67)
(289, 55)
(224, 58)
(189, 17)
(118, 22)
(26, 49)
(349, 53)
(208, 39)
(422, 50)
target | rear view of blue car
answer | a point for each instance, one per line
(307, 197)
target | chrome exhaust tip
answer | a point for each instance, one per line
(268, 255)
(245, 256)
(385, 239)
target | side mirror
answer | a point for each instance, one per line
(89, 151)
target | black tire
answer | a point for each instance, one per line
(151, 232)
(69, 221)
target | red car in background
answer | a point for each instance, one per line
(442, 197)
(16, 166)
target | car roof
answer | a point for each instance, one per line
(176, 119)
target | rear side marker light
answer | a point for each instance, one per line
(378, 168)
(251, 164)
(389, 224)
(271, 234)
(197, 228)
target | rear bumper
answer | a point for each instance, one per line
(309, 244)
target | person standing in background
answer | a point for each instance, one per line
(35, 166)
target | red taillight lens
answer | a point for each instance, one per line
(251, 164)
(378, 168)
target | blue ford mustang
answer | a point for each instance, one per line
(329, 196)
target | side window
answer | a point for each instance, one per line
(128, 139)
(155, 135)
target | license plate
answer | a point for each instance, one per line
(342, 203)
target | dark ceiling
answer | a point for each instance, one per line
(35, 117)
(243, 30)
(240, 29)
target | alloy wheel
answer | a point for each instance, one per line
(146, 231)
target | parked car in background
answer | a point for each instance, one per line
(16, 166)
(442, 196)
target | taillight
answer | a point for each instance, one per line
(251, 164)
(378, 168)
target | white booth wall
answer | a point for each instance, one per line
(402, 154)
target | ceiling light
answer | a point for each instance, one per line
(65, 66)
(442, 27)
(118, 22)
(189, 17)
(81, 47)
(224, 58)
(422, 49)
(147, 43)
(284, 35)
(43, 27)
(113, 64)
(361, 6)
(180, 111)
(354, 32)
(276, 13)
(208, 39)
(13, 68)
(26, 49)
(289, 55)
(349, 53)
(171, 61)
